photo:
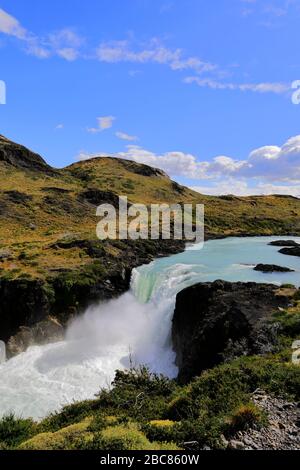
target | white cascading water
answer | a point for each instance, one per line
(135, 328)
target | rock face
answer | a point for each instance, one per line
(217, 321)
(284, 243)
(270, 268)
(23, 302)
(46, 331)
(294, 251)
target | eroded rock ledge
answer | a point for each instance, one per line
(217, 321)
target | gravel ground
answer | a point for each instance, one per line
(282, 432)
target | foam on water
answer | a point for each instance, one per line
(135, 327)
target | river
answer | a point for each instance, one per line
(133, 329)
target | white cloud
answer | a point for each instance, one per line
(67, 44)
(64, 43)
(270, 163)
(242, 188)
(33, 48)
(83, 155)
(268, 169)
(11, 26)
(264, 87)
(124, 136)
(65, 37)
(104, 122)
(173, 163)
(68, 53)
(153, 52)
(59, 126)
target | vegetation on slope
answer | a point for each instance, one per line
(40, 206)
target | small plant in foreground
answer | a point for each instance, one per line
(244, 417)
(15, 430)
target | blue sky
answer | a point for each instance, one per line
(199, 88)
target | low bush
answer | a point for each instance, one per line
(244, 417)
(14, 430)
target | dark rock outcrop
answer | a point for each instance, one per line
(17, 197)
(144, 170)
(23, 302)
(270, 268)
(294, 251)
(20, 157)
(217, 321)
(284, 243)
(96, 197)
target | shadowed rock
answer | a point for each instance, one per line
(218, 321)
(43, 332)
(284, 243)
(294, 251)
(270, 268)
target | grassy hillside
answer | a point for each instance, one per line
(40, 205)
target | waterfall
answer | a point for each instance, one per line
(2, 352)
(135, 326)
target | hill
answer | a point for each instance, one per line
(51, 262)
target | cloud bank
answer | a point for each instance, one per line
(268, 169)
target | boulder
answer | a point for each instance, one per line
(217, 321)
(270, 268)
(284, 243)
(294, 251)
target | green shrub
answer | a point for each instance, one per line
(297, 295)
(289, 323)
(244, 417)
(70, 414)
(180, 407)
(159, 430)
(66, 438)
(204, 432)
(122, 438)
(15, 430)
(138, 393)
